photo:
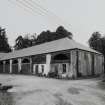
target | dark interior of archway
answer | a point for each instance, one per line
(1, 62)
(15, 61)
(61, 57)
(7, 62)
(26, 61)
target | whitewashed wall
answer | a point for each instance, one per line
(73, 64)
(98, 64)
(84, 63)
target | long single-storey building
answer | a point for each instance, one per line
(65, 57)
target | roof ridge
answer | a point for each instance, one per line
(48, 47)
(41, 44)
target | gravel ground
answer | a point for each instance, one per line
(31, 90)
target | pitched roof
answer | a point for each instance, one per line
(53, 46)
(2, 55)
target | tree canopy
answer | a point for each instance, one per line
(97, 42)
(22, 42)
(45, 36)
(4, 45)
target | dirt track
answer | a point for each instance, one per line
(31, 90)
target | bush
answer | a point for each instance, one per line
(52, 74)
(79, 74)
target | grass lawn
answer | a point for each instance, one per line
(31, 90)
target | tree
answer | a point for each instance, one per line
(47, 36)
(33, 39)
(103, 45)
(27, 41)
(44, 36)
(18, 43)
(63, 32)
(4, 45)
(97, 42)
(22, 42)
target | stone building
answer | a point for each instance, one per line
(65, 57)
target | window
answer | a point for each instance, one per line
(64, 68)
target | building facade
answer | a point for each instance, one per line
(64, 57)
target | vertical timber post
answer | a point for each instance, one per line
(48, 61)
(93, 63)
(71, 65)
(30, 65)
(77, 62)
(103, 64)
(73, 71)
(19, 65)
(10, 66)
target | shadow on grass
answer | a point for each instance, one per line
(60, 100)
(7, 98)
(101, 85)
(74, 90)
(32, 91)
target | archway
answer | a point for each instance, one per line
(61, 57)
(25, 69)
(25, 60)
(1, 66)
(15, 61)
(60, 63)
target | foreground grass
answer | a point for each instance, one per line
(31, 90)
(101, 85)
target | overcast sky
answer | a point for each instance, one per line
(82, 16)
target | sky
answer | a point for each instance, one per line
(81, 17)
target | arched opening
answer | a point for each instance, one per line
(7, 62)
(60, 63)
(15, 61)
(1, 66)
(25, 60)
(25, 67)
(61, 57)
(1, 62)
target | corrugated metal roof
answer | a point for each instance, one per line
(53, 46)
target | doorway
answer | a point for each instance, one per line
(64, 68)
